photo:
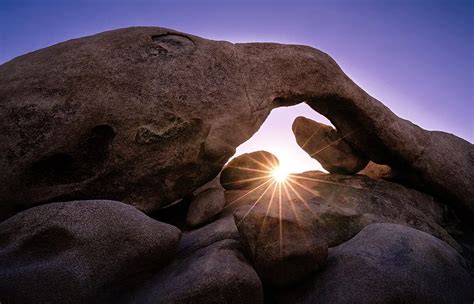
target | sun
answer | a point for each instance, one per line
(279, 174)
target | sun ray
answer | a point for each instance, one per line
(320, 181)
(248, 192)
(314, 192)
(254, 204)
(249, 169)
(300, 198)
(334, 142)
(280, 219)
(298, 221)
(248, 179)
(266, 213)
(268, 165)
(309, 138)
(271, 162)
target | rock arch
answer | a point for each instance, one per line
(193, 102)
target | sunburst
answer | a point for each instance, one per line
(275, 186)
(279, 174)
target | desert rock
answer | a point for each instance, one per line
(283, 249)
(327, 146)
(217, 273)
(77, 252)
(145, 115)
(205, 206)
(248, 169)
(339, 206)
(374, 170)
(387, 263)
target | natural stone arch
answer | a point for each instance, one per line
(178, 106)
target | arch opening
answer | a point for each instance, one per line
(275, 135)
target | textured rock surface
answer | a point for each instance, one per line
(283, 249)
(374, 170)
(205, 206)
(341, 205)
(74, 252)
(145, 115)
(248, 169)
(388, 263)
(327, 146)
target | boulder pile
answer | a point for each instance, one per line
(109, 143)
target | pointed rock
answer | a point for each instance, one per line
(327, 146)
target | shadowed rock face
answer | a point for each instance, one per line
(326, 145)
(146, 115)
(74, 252)
(283, 248)
(387, 263)
(248, 169)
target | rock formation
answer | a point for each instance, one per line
(339, 206)
(326, 145)
(145, 115)
(248, 169)
(378, 171)
(75, 252)
(149, 117)
(388, 263)
(283, 249)
(205, 206)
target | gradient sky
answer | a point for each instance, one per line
(415, 56)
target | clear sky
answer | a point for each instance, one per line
(415, 56)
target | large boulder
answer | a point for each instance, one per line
(387, 263)
(216, 272)
(145, 115)
(284, 249)
(77, 252)
(339, 206)
(327, 146)
(248, 169)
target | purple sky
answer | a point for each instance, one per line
(415, 56)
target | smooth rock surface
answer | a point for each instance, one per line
(248, 169)
(145, 115)
(284, 250)
(77, 252)
(219, 230)
(327, 146)
(387, 263)
(341, 205)
(205, 206)
(217, 273)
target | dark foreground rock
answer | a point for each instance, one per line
(210, 268)
(77, 252)
(283, 249)
(145, 115)
(248, 169)
(387, 263)
(205, 206)
(327, 146)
